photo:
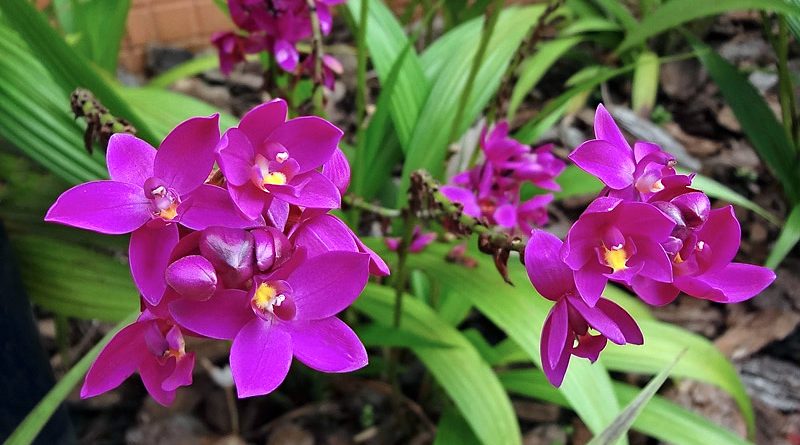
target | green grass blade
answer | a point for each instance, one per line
(33, 423)
(190, 68)
(645, 83)
(758, 122)
(98, 26)
(661, 419)
(677, 12)
(717, 190)
(453, 429)
(620, 426)
(788, 238)
(459, 369)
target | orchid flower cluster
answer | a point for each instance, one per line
(491, 189)
(649, 231)
(249, 253)
(276, 26)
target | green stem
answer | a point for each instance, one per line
(787, 100)
(361, 203)
(361, 68)
(488, 29)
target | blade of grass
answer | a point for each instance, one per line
(788, 238)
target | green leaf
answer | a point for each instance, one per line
(660, 418)
(73, 280)
(788, 238)
(68, 68)
(703, 361)
(576, 182)
(645, 83)
(757, 120)
(377, 335)
(459, 369)
(190, 68)
(33, 423)
(717, 190)
(618, 10)
(98, 26)
(534, 68)
(386, 40)
(453, 429)
(620, 426)
(676, 12)
(520, 312)
(164, 109)
(428, 145)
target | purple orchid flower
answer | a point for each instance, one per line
(566, 329)
(526, 216)
(267, 158)
(509, 156)
(701, 249)
(617, 240)
(631, 174)
(148, 192)
(230, 48)
(290, 312)
(331, 67)
(153, 347)
(326, 233)
(419, 241)
(337, 169)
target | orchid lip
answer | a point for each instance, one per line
(273, 299)
(164, 201)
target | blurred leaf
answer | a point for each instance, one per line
(534, 68)
(758, 122)
(618, 10)
(377, 335)
(35, 115)
(190, 68)
(662, 419)
(428, 145)
(590, 24)
(794, 20)
(788, 238)
(459, 369)
(164, 110)
(717, 190)
(69, 69)
(576, 182)
(33, 423)
(703, 361)
(386, 40)
(676, 12)
(645, 83)
(98, 26)
(73, 280)
(520, 313)
(620, 426)
(453, 429)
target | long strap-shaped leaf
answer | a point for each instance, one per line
(459, 369)
(33, 423)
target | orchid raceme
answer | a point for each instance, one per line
(257, 259)
(276, 26)
(491, 189)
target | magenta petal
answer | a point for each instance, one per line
(181, 374)
(117, 361)
(558, 326)
(548, 274)
(153, 376)
(221, 317)
(236, 156)
(192, 277)
(310, 140)
(209, 206)
(653, 292)
(735, 283)
(322, 234)
(262, 120)
(337, 169)
(377, 266)
(554, 374)
(605, 128)
(422, 241)
(655, 262)
(598, 319)
(327, 345)
(149, 254)
(506, 215)
(612, 164)
(590, 282)
(129, 159)
(317, 192)
(327, 284)
(286, 55)
(249, 199)
(590, 347)
(623, 320)
(278, 213)
(643, 219)
(186, 155)
(102, 206)
(261, 355)
(464, 197)
(722, 233)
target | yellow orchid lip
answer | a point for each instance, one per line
(616, 258)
